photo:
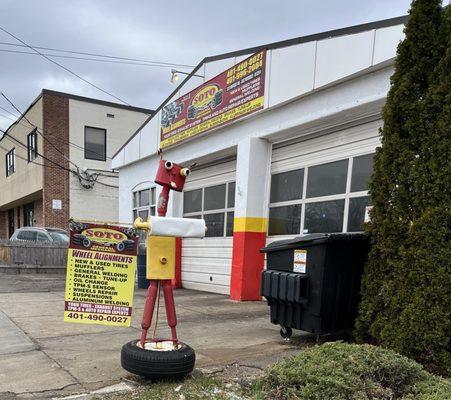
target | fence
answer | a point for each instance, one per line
(15, 253)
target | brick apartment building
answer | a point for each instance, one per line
(57, 161)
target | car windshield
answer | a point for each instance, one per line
(59, 237)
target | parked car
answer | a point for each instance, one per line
(34, 234)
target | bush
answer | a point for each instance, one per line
(342, 371)
(406, 301)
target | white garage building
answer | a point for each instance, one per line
(282, 136)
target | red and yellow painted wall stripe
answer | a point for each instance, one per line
(249, 236)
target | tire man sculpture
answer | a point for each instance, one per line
(162, 358)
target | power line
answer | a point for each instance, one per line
(101, 55)
(40, 130)
(8, 111)
(91, 59)
(5, 116)
(26, 159)
(77, 173)
(22, 115)
(63, 67)
(15, 140)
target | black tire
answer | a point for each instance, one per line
(158, 364)
(286, 332)
(86, 242)
(120, 246)
(192, 112)
(217, 100)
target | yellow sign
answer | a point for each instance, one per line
(219, 120)
(233, 94)
(100, 275)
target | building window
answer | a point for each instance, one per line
(28, 214)
(330, 197)
(95, 143)
(10, 162)
(144, 203)
(32, 145)
(215, 204)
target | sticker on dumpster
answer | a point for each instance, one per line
(300, 261)
(101, 263)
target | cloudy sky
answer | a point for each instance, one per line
(176, 31)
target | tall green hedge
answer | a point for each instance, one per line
(406, 303)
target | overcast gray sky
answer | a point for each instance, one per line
(171, 31)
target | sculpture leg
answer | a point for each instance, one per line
(148, 310)
(170, 308)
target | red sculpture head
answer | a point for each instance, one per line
(171, 175)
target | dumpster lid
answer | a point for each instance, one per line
(312, 239)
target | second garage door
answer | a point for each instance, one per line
(210, 194)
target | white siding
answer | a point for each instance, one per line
(386, 41)
(216, 67)
(341, 56)
(291, 72)
(206, 263)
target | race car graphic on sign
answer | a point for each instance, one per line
(234, 93)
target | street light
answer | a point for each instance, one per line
(175, 75)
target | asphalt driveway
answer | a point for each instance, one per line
(42, 357)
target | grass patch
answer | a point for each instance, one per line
(341, 371)
(203, 388)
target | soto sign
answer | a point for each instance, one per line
(234, 93)
(100, 278)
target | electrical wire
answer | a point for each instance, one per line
(26, 159)
(77, 173)
(15, 140)
(22, 115)
(40, 130)
(101, 55)
(89, 178)
(89, 59)
(63, 67)
(5, 116)
(8, 111)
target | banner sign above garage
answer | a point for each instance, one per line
(234, 93)
(100, 275)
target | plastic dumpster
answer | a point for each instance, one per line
(312, 282)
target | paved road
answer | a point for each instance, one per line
(41, 356)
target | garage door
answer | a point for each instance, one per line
(210, 194)
(321, 184)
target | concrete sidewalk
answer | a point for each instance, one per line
(42, 357)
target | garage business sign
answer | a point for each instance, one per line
(101, 265)
(234, 93)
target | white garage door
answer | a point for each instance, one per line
(321, 184)
(210, 194)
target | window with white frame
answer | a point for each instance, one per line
(215, 204)
(144, 203)
(10, 159)
(330, 197)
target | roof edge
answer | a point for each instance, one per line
(275, 45)
(96, 101)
